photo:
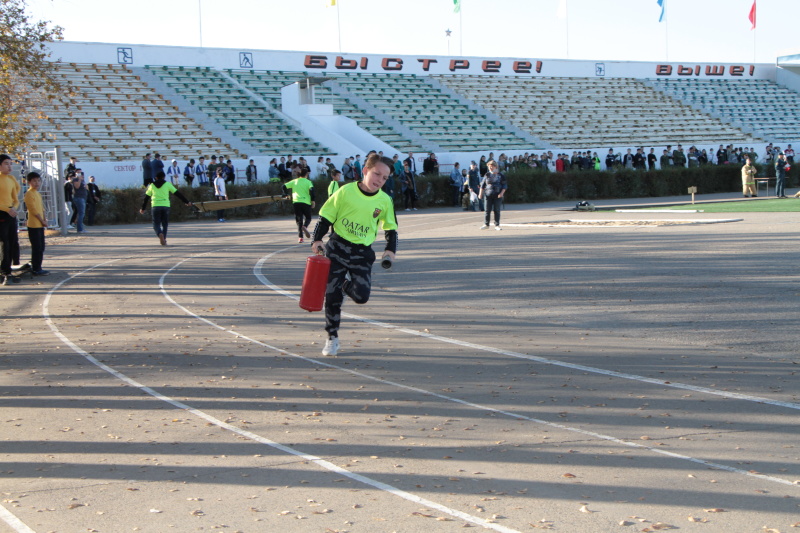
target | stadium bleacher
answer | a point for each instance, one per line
(113, 115)
(580, 112)
(220, 97)
(760, 107)
(436, 116)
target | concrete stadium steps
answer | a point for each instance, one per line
(575, 112)
(253, 121)
(431, 113)
(762, 107)
(113, 115)
(268, 85)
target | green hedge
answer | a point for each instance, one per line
(121, 206)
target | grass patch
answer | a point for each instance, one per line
(773, 205)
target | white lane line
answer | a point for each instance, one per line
(544, 360)
(15, 523)
(608, 438)
(327, 465)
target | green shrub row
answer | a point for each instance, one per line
(121, 206)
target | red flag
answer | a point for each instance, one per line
(752, 15)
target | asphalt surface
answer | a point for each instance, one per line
(579, 379)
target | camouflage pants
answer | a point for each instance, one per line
(346, 257)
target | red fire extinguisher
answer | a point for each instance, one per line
(315, 280)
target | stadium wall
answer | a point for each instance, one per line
(318, 63)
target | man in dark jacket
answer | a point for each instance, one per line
(147, 170)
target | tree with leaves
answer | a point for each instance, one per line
(27, 79)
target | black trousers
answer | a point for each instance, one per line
(302, 216)
(36, 236)
(346, 257)
(9, 240)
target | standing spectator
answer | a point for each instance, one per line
(37, 222)
(71, 167)
(251, 173)
(595, 161)
(702, 157)
(408, 186)
(627, 159)
(665, 160)
(679, 157)
(159, 192)
(92, 200)
(357, 170)
(561, 163)
(188, 173)
(9, 203)
(412, 164)
(722, 156)
(347, 170)
(651, 159)
(780, 174)
(330, 165)
(321, 169)
(610, 159)
(273, 173)
(692, 157)
(212, 170)
(147, 170)
(219, 191)
(156, 165)
(201, 171)
(397, 167)
(79, 195)
(749, 179)
(789, 153)
(474, 181)
(284, 168)
(456, 184)
(492, 189)
(302, 201)
(229, 172)
(69, 207)
(174, 173)
(430, 166)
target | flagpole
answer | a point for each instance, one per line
(460, 34)
(339, 25)
(200, 20)
(566, 18)
(666, 34)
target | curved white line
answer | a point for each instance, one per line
(244, 433)
(15, 523)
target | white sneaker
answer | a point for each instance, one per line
(484, 227)
(498, 228)
(331, 346)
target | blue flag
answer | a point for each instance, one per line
(661, 4)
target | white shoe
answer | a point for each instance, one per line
(484, 227)
(498, 228)
(407, 209)
(331, 346)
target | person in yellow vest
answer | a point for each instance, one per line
(354, 211)
(749, 179)
(9, 203)
(37, 222)
(159, 192)
(303, 201)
